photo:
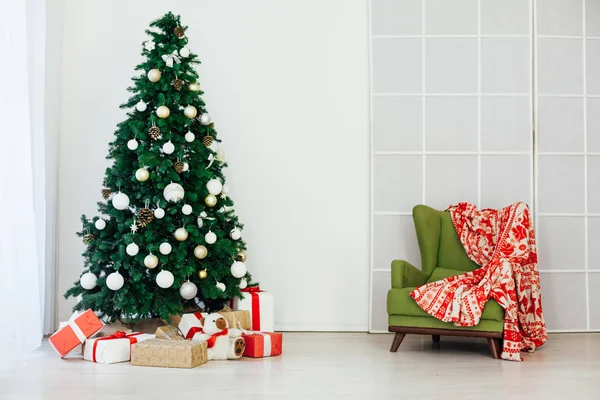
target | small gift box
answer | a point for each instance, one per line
(235, 317)
(190, 325)
(260, 305)
(169, 332)
(114, 348)
(169, 353)
(75, 332)
(263, 344)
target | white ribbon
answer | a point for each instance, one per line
(78, 332)
(169, 58)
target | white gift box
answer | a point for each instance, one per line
(190, 325)
(261, 306)
(113, 349)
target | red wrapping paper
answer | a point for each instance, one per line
(263, 344)
(72, 335)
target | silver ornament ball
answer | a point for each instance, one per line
(188, 290)
(205, 119)
(173, 192)
(120, 201)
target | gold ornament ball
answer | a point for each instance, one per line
(241, 256)
(210, 200)
(194, 87)
(163, 112)
(202, 274)
(154, 75)
(181, 234)
(142, 174)
(200, 252)
(190, 112)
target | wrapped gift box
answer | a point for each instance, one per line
(169, 353)
(260, 305)
(235, 318)
(169, 332)
(263, 344)
(75, 332)
(78, 350)
(190, 325)
(113, 349)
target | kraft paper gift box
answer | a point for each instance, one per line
(169, 332)
(235, 318)
(75, 332)
(113, 349)
(169, 353)
(260, 305)
(263, 344)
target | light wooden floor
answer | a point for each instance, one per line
(330, 366)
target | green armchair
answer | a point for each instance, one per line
(442, 255)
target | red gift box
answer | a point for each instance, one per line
(263, 344)
(75, 332)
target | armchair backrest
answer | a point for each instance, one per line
(438, 241)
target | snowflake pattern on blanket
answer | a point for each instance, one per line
(503, 243)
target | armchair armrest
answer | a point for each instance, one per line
(404, 274)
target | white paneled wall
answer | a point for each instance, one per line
(451, 117)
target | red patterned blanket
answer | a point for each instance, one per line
(503, 242)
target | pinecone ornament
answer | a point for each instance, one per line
(208, 140)
(144, 217)
(154, 132)
(88, 238)
(179, 32)
(177, 84)
(105, 194)
(178, 167)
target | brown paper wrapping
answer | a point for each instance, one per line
(243, 316)
(169, 353)
(169, 332)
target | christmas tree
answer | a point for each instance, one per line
(167, 236)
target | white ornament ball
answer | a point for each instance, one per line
(235, 234)
(141, 106)
(173, 192)
(205, 119)
(115, 281)
(194, 87)
(188, 290)
(165, 248)
(88, 280)
(165, 279)
(132, 249)
(154, 75)
(159, 213)
(214, 186)
(238, 269)
(132, 144)
(184, 52)
(120, 201)
(186, 209)
(210, 237)
(190, 112)
(181, 234)
(243, 284)
(100, 224)
(189, 137)
(142, 174)
(186, 167)
(168, 147)
(151, 261)
(163, 112)
(221, 286)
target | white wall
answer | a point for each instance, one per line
(287, 85)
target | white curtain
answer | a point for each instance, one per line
(23, 216)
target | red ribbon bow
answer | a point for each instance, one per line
(116, 335)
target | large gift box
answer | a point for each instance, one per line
(75, 332)
(260, 305)
(169, 353)
(263, 344)
(114, 348)
(169, 332)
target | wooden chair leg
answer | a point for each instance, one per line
(398, 338)
(435, 338)
(495, 347)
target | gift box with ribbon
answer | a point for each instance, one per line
(263, 344)
(114, 348)
(190, 325)
(75, 332)
(260, 304)
(169, 353)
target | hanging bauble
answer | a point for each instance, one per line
(144, 217)
(132, 249)
(141, 106)
(88, 280)
(115, 281)
(189, 137)
(154, 75)
(142, 174)
(241, 256)
(202, 274)
(210, 200)
(208, 140)
(200, 252)
(177, 84)
(132, 144)
(235, 234)
(205, 119)
(243, 284)
(238, 269)
(221, 286)
(163, 112)
(168, 147)
(190, 112)
(186, 167)
(184, 52)
(120, 201)
(105, 194)
(154, 132)
(186, 209)
(165, 248)
(165, 279)
(151, 261)
(214, 186)
(194, 87)
(179, 32)
(181, 234)
(100, 224)
(188, 290)
(178, 167)
(210, 237)
(173, 192)
(159, 213)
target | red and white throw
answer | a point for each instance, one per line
(503, 243)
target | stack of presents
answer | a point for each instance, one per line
(189, 341)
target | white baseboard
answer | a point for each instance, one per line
(321, 328)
